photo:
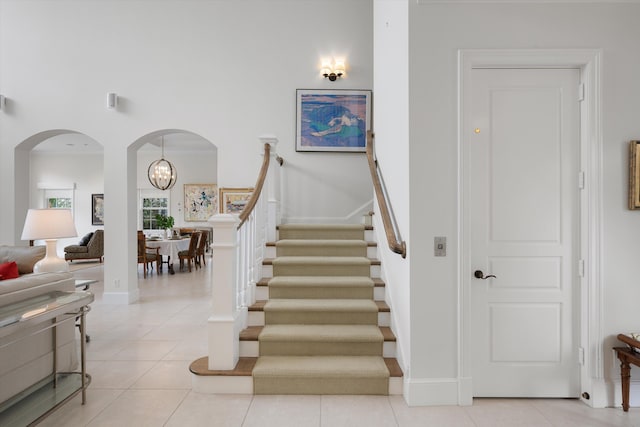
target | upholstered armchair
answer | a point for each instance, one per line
(90, 247)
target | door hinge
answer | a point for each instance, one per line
(581, 92)
(581, 268)
(581, 180)
(581, 355)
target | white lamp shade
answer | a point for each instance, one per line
(48, 224)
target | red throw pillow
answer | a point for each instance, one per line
(9, 270)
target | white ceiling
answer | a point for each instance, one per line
(82, 143)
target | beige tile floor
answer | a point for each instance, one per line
(139, 355)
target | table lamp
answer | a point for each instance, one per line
(49, 225)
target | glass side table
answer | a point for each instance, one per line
(41, 313)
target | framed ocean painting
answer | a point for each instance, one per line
(332, 120)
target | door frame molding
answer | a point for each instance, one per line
(589, 62)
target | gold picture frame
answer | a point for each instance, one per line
(634, 175)
(233, 200)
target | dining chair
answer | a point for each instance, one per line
(146, 255)
(201, 249)
(190, 254)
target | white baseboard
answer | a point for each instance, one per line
(122, 298)
(431, 392)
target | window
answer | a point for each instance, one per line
(59, 202)
(57, 198)
(152, 205)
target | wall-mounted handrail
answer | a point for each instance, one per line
(262, 176)
(396, 244)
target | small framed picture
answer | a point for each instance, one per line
(634, 175)
(200, 201)
(97, 209)
(233, 200)
(332, 120)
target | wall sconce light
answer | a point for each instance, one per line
(332, 70)
(3, 102)
(112, 100)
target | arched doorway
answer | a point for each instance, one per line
(59, 168)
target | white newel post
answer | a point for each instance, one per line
(224, 322)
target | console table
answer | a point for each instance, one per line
(627, 357)
(37, 314)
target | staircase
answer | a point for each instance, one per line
(320, 324)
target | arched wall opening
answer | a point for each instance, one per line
(58, 168)
(195, 159)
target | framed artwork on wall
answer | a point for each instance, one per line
(332, 120)
(233, 200)
(634, 175)
(200, 201)
(97, 209)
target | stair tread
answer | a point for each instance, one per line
(251, 333)
(377, 282)
(322, 333)
(320, 242)
(320, 305)
(325, 366)
(330, 281)
(368, 242)
(245, 366)
(260, 304)
(293, 226)
(319, 260)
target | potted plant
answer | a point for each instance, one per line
(165, 223)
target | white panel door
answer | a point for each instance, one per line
(522, 136)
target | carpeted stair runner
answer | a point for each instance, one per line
(321, 311)
(320, 375)
(321, 266)
(320, 340)
(324, 247)
(321, 333)
(298, 287)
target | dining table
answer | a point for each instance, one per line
(169, 248)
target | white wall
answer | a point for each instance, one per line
(59, 170)
(391, 62)
(437, 30)
(224, 70)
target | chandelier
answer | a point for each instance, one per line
(162, 174)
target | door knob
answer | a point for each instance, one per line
(478, 274)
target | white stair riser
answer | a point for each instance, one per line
(267, 271)
(252, 349)
(244, 385)
(255, 318)
(379, 293)
(270, 252)
(262, 293)
(249, 348)
(395, 386)
(384, 319)
(372, 252)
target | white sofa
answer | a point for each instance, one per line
(29, 360)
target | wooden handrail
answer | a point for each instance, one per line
(244, 215)
(388, 220)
